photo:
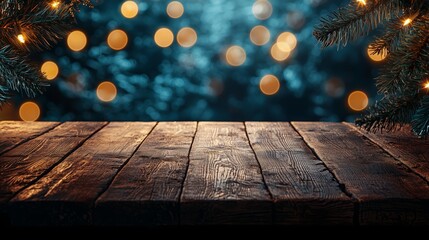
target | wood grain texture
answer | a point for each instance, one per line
(66, 194)
(13, 133)
(25, 163)
(147, 190)
(404, 146)
(387, 192)
(224, 184)
(303, 189)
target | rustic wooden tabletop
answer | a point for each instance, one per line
(187, 173)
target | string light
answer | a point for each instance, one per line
(407, 21)
(426, 85)
(55, 4)
(361, 2)
(21, 38)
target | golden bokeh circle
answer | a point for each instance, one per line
(357, 101)
(278, 54)
(117, 39)
(50, 69)
(269, 85)
(106, 91)
(29, 112)
(175, 9)
(260, 35)
(235, 56)
(287, 41)
(129, 9)
(164, 37)
(187, 37)
(378, 57)
(77, 41)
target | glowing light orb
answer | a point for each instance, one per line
(269, 85)
(164, 37)
(235, 56)
(175, 9)
(278, 54)
(29, 112)
(77, 41)
(260, 35)
(377, 57)
(187, 37)
(117, 39)
(50, 70)
(361, 2)
(407, 21)
(106, 91)
(129, 9)
(358, 100)
(426, 85)
(262, 9)
(55, 4)
(21, 38)
(287, 41)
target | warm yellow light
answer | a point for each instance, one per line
(164, 37)
(362, 2)
(260, 35)
(278, 54)
(187, 37)
(426, 85)
(407, 21)
(21, 38)
(50, 70)
(235, 56)
(77, 41)
(262, 9)
(175, 9)
(287, 41)
(129, 9)
(269, 85)
(29, 112)
(117, 40)
(106, 91)
(377, 57)
(55, 4)
(357, 100)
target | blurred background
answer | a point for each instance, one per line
(201, 60)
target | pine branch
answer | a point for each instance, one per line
(408, 62)
(41, 25)
(388, 42)
(420, 121)
(353, 21)
(17, 75)
(389, 113)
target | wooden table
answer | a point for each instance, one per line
(187, 173)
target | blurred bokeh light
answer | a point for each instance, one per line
(201, 60)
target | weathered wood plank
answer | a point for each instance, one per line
(25, 163)
(303, 189)
(387, 192)
(147, 190)
(13, 133)
(67, 193)
(224, 183)
(404, 146)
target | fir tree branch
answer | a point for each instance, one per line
(390, 113)
(17, 75)
(420, 121)
(353, 21)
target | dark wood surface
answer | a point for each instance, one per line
(193, 173)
